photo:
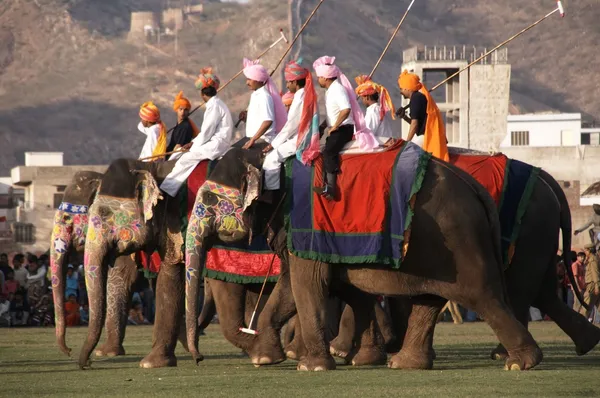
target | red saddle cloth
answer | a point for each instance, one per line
(488, 170)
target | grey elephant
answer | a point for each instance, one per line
(468, 269)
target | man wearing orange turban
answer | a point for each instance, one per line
(155, 131)
(425, 118)
(186, 129)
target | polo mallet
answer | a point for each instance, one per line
(559, 8)
(249, 329)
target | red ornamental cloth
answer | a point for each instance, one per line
(489, 171)
(368, 212)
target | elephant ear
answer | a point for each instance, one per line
(251, 186)
(148, 192)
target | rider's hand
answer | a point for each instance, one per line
(401, 113)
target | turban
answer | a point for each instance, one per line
(435, 141)
(294, 71)
(149, 112)
(254, 71)
(287, 98)
(409, 81)
(368, 87)
(324, 67)
(207, 78)
(181, 102)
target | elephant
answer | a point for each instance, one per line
(68, 237)
(454, 217)
(130, 215)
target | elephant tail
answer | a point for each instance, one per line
(566, 228)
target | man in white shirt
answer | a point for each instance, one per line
(345, 119)
(155, 131)
(266, 113)
(379, 106)
(299, 81)
(213, 140)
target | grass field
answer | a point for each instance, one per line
(31, 364)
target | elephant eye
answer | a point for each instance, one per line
(209, 199)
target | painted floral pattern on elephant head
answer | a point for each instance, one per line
(116, 220)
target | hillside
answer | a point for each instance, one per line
(71, 81)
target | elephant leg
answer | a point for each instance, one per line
(417, 346)
(310, 290)
(520, 306)
(399, 309)
(120, 281)
(169, 313)
(295, 349)
(209, 308)
(385, 326)
(278, 309)
(289, 331)
(583, 333)
(344, 342)
(230, 303)
(369, 347)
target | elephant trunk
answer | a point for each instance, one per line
(61, 236)
(195, 257)
(209, 308)
(95, 282)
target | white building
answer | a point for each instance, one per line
(545, 130)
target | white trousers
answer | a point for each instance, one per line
(273, 161)
(186, 163)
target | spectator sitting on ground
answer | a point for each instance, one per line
(4, 267)
(19, 309)
(72, 282)
(72, 311)
(10, 284)
(82, 292)
(84, 314)
(20, 271)
(35, 281)
(136, 315)
(4, 311)
(41, 315)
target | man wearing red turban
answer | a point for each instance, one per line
(425, 118)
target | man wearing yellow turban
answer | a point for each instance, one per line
(425, 118)
(155, 131)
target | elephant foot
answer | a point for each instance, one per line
(368, 356)
(411, 360)
(523, 359)
(590, 340)
(158, 360)
(267, 349)
(294, 351)
(110, 350)
(499, 353)
(339, 348)
(316, 364)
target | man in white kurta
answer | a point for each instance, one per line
(211, 143)
(380, 108)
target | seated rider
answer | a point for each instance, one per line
(380, 109)
(344, 118)
(266, 113)
(213, 140)
(284, 145)
(425, 118)
(155, 131)
(186, 129)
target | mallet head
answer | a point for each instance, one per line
(248, 331)
(283, 36)
(561, 9)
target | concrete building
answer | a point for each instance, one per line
(543, 130)
(475, 102)
(42, 181)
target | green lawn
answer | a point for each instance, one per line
(30, 364)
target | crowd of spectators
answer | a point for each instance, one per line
(26, 294)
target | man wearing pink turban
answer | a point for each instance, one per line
(266, 112)
(345, 119)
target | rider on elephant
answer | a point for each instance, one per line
(155, 130)
(266, 112)
(299, 82)
(186, 129)
(425, 118)
(213, 140)
(593, 222)
(378, 102)
(345, 119)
